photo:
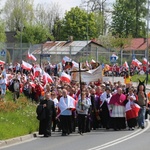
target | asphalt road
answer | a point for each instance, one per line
(96, 140)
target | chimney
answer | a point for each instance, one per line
(145, 40)
(71, 38)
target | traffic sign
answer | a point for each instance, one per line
(3, 53)
(113, 59)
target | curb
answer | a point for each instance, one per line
(8, 142)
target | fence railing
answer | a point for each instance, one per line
(16, 52)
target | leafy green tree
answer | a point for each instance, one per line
(128, 18)
(100, 9)
(2, 33)
(34, 34)
(79, 24)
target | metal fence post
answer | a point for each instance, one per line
(96, 54)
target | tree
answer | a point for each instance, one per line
(128, 18)
(56, 31)
(34, 34)
(2, 33)
(47, 14)
(102, 11)
(16, 13)
(79, 24)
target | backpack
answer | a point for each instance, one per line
(40, 111)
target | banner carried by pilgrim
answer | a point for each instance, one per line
(88, 76)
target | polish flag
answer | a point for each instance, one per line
(136, 62)
(66, 59)
(31, 56)
(41, 87)
(133, 111)
(65, 77)
(47, 78)
(37, 71)
(126, 65)
(144, 61)
(75, 64)
(2, 62)
(32, 84)
(26, 65)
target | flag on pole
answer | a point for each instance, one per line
(126, 65)
(26, 65)
(65, 77)
(144, 61)
(66, 59)
(47, 78)
(31, 56)
(37, 71)
(136, 62)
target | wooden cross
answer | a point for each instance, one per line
(80, 82)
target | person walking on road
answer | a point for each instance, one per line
(50, 113)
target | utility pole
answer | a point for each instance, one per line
(147, 50)
(21, 28)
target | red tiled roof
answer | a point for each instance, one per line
(138, 44)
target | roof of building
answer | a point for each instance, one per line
(63, 47)
(138, 44)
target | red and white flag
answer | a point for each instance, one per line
(2, 62)
(32, 84)
(144, 61)
(47, 78)
(136, 62)
(75, 64)
(26, 65)
(31, 56)
(66, 59)
(126, 65)
(65, 77)
(37, 71)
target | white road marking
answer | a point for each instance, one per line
(122, 139)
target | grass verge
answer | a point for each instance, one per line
(17, 119)
(141, 77)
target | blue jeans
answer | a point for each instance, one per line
(141, 116)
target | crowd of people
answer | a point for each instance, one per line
(69, 106)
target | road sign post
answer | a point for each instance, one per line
(113, 60)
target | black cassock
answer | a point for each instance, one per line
(46, 124)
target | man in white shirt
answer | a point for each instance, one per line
(66, 104)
